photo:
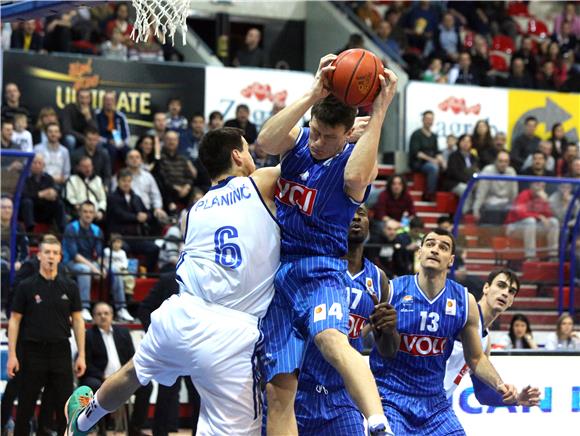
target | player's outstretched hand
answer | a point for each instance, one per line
(320, 87)
(529, 397)
(384, 318)
(388, 90)
(509, 393)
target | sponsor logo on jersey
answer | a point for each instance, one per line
(355, 325)
(37, 299)
(451, 307)
(64, 297)
(295, 194)
(407, 299)
(304, 176)
(319, 312)
(422, 345)
(370, 286)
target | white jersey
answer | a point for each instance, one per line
(456, 367)
(232, 248)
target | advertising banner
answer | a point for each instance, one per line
(558, 379)
(260, 89)
(142, 88)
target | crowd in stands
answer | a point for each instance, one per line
(510, 44)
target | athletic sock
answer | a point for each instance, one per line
(91, 415)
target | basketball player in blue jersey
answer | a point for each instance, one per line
(323, 406)
(499, 292)
(324, 179)
(431, 312)
(210, 329)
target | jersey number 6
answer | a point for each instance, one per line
(227, 254)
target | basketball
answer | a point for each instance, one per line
(355, 81)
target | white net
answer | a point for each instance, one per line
(161, 18)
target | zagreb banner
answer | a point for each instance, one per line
(142, 88)
(259, 89)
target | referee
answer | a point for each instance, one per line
(40, 319)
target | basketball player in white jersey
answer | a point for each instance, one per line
(209, 330)
(499, 292)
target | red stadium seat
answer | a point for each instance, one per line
(419, 182)
(499, 62)
(446, 202)
(537, 28)
(518, 9)
(469, 39)
(142, 288)
(503, 44)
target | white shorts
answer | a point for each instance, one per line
(216, 347)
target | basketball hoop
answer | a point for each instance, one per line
(160, 17)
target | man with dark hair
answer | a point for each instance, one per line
(538, 169)
(6, 137)
(93, 148)
(113, 127)
(431, 311)
(215, 120)
(251, 55)
(242, 121)
(12, 104)
(43, 305)
(77, 118)
(425, 155)
(56, 155)
(189, 139)
(175, 120)
(499, 292)
(524, 144)
(84, 186)
(210, 330)
(323, 182)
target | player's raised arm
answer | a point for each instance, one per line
(384, 323)
(477, 360)
(279, 133)
(265, 179)
(361, 168)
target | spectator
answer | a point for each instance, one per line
(94, 150)
(569, 14)
(216, 120)
(529, 213)
(574, 172)
(82, 253)
(500, 141)
(461, 167)
(425, 155)
(560, 201)
(483, 143)
(115, 258)
(115, 48)
(537, 168)
(58, 32)
(107, 349)
(85, 186)
(21, 136)
(451, 142)
(175, 120)
(434, 73)
(565, 338)
(369, 14)
(263, 159)
(528, 56)
(564, 164)
(565, 38)
(525, 143)
(411, 241)
(463, 72)
(145, 187)
(21, 250)
(251, 55)
(560, 69)
(159, 128)
(390, 253)
(26, 37)
(12, 104)
(480, 59)
(121, 23)
(55, 154)
(76, 118)
(174, 175)
(393, 16)
(558, 140)
(520, 335)
(493, 197)
(41, 202)
(389, 44)
(519, 77)
(190, 138)
(546, 79)
(113, 127)
(149, 50)
(448, 39)
(7, 134)
(39, 328)
(46, 116)
(395, 204)
(242, 121)
(129, 217)
(545, 148)
(420, 25)
(150, 151)
(171, 246)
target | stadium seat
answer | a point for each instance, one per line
(469, 39)
(142, 288)
(503, 44)
(518, 9)
(542, 271)
(499, 62)
(446, 202)
(537, 28)
(419, 182)
(42, 228)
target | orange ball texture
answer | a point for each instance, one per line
(355, 81)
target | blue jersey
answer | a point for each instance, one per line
(323, 405)
(312, 206)
(428, 329)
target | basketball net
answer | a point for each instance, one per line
(160, 18)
